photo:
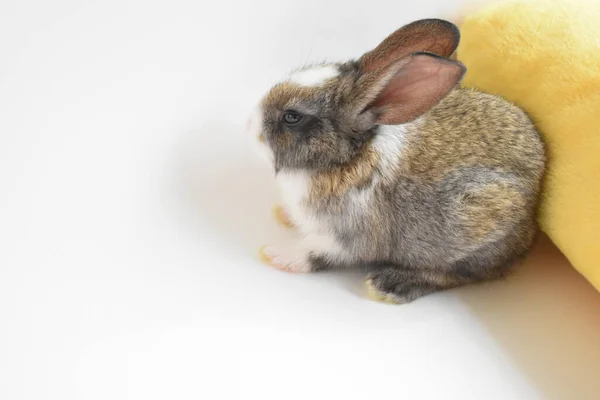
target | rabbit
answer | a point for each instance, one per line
(387, 163)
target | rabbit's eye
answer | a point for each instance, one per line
(291, 118)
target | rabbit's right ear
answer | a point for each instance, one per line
(434, 36)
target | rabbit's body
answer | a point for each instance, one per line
(430, 202)
(446, 198)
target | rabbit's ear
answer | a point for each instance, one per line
(428, 35)
(408, 88)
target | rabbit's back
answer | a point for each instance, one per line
(467, 185)
(473, 129)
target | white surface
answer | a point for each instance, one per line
(131, 210)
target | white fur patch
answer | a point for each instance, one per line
(255, 130)
(293, 258)
(390, 142)
(314, 76)
(317, 237)
(295, 187)
(325, 245)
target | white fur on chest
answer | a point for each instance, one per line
(317, 231)
(318, 235)
(295, 189)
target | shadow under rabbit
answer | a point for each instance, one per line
(562, 360)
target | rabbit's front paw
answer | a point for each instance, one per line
(283, 217)
(289, 259)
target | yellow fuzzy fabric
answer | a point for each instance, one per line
(544, 55)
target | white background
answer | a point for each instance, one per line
(132, 208)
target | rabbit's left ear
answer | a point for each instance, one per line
(435, 36)
(408, 88)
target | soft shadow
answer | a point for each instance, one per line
(227, 192)
(231, 196)
(547, 319)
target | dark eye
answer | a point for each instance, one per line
(291, 118)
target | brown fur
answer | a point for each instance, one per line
(482, 210)
(337, 181)
(457, 137)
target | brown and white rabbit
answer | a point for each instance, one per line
(385, 162)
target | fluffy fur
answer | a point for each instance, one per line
(444, 197)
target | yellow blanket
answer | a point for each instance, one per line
(544, 55)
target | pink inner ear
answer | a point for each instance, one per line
(420, 82)
(409, 82)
